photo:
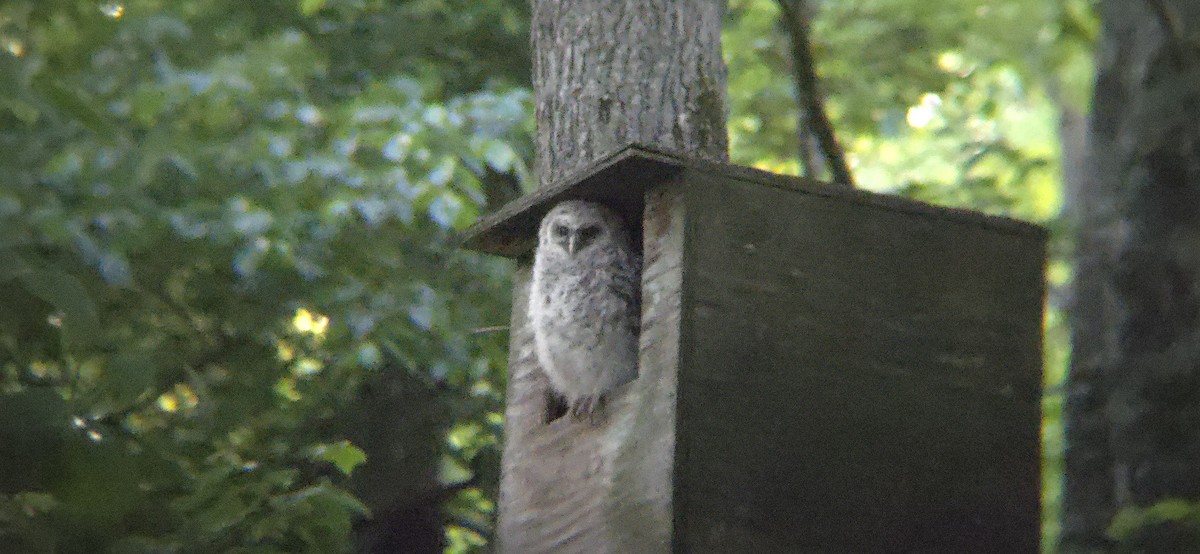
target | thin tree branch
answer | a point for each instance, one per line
(28, 379)
(810, 154)
(796, 23)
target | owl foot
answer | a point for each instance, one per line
(586, 406)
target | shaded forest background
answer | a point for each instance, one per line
(234, 317)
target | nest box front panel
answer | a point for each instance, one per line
(858, 373)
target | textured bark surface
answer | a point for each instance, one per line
(1133, 407)
(607, 73)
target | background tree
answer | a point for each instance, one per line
(234, 313)
(1133, 455)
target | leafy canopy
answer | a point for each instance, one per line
(225, 226)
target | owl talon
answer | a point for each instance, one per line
(586, 406)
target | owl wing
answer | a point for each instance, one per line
(627, 287)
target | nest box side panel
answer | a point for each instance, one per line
(640, 508)
(574, 486)
(855, 376)
(553, 475)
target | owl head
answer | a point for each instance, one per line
(577, 227)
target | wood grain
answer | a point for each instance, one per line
(855, 378)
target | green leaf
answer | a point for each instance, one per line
(75, 103)
(453, 472)
(79, 321)
(36, 502)
(128, 375)
(309, 7)
(1130, 520)
(328, 513)
(342, 454)
(14, 93)
(226, 511)
(13, 266)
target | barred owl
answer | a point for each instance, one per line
(584, 303)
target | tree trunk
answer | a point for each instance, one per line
(1133, 438)
(1090, 211)
(608, 73)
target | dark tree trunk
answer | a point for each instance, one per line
(1090, 209)
(1133, 412)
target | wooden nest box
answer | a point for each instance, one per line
(821, 370)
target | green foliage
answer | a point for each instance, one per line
(220, 221)
(235, 315)
(955, 105)
(1168, 526)
(342, 454)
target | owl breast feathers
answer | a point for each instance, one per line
(584, 303)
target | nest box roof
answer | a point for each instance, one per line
(621, 179)
(618, 181)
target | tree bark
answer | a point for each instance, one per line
(610, 73)
(1133, 405)
(1090, 211)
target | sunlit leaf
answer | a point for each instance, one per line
(342, 454)
(309, 7)
(453, 472)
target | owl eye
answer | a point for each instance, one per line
(588, 233)
(560, 231)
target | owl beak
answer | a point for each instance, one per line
(572, 244)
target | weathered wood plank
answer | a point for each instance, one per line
(622, 178)
(569, 486)
(640, 503)
(855, 377)
(619, 181)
